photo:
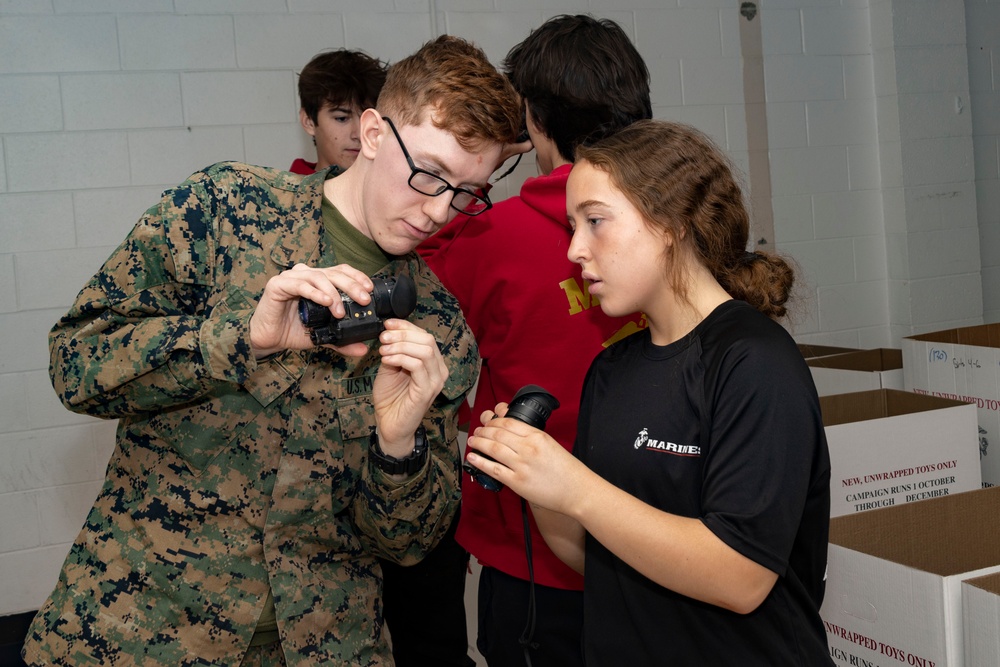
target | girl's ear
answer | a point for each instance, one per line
(674, 237)
(371, 131)
(668, 238)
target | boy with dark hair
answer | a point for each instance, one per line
(534, 320)
(334, 88)
(257, 477)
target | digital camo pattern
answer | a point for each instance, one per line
(231, 473)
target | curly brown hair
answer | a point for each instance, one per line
(466, 94)
(682, 184)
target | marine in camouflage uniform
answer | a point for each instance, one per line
(232, 474)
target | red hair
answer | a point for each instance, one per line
(464, 92)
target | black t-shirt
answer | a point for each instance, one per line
(723, 425)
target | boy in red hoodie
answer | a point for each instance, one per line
(533, 318)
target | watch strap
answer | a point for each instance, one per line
(409, 464)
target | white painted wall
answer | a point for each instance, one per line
(824, 167)
(104, 103)
(982, 19)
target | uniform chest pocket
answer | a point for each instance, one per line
(356, 417)
(355, 410)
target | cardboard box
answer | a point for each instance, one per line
(809, 351)
(893, 592)
(881, 368)
(889, 447)
(963, 364)
(981, 620)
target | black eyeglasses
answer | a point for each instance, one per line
(426, 183)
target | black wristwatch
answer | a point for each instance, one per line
(407, 465)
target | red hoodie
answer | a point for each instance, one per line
(535, 323)
(300, 166)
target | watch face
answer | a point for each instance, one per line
(409, 464)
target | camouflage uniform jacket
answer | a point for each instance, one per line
(230, 473)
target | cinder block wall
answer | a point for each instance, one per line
(104, 103)
(982, 20)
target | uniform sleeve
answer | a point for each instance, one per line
(766, 437)
(140, 335)
(404, 521)
(453, 258)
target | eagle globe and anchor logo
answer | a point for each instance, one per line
(642, 438)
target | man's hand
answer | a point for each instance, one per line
(275, 324)
(411, 376)
(510, 150)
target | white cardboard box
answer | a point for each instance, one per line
(889, 447)
(881, 368)
(809, 350)
(981, 620)
(894, 579)
(963, 364)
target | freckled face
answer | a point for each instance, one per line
(397, 217)
(621, 257)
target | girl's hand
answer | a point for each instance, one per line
(528, 460)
